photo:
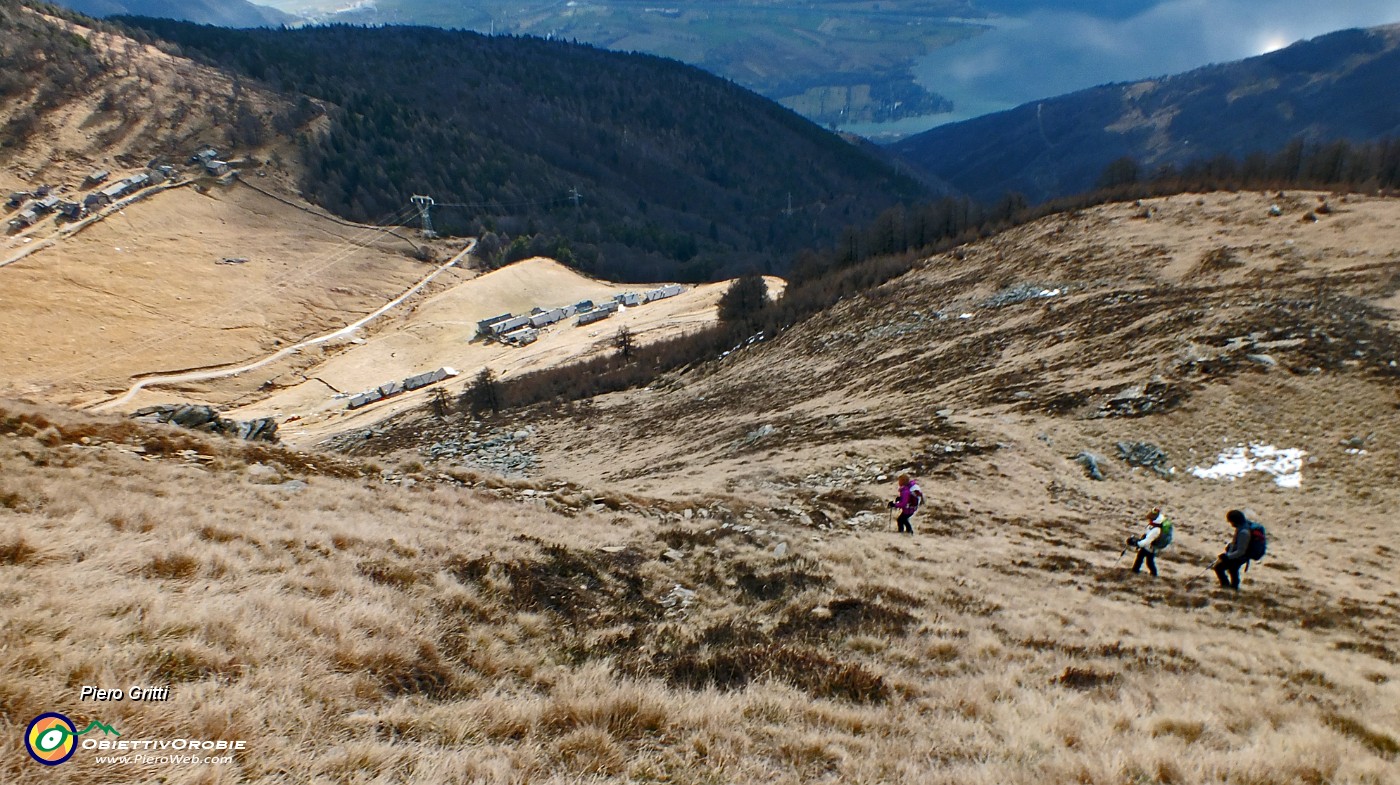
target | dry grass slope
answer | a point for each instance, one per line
(355, 631)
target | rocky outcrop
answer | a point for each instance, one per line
(207, 419)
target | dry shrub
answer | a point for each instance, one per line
(16, 551)
(942, 652)
(386, 573)
(190, 661)
(138, 520)
(847, 616)
(952, 600)
(1312, 678)
(685, 539)
(1085, 678)
(12, 500)
(806, 669)
(590, 751)
(627, 712)
(344, 541)
(810, 754)
(577, 585)
(1221, 258)
(1380, 743)
(1377, 650)
(174, 566)
(216, 534)
(1186, 730)
(160, 442)
(789, 576)
(422, 673)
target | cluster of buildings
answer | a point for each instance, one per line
(208, 158)
(34, 205)
(523, 330)
(390, 389)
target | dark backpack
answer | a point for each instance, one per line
(1258, 542)
(916, 497)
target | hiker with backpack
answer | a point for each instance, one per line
(1157, 537)
(910, 497)
(1248, 544)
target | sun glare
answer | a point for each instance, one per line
(1272, 43)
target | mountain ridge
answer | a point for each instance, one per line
(1319, 90)
(227, 13)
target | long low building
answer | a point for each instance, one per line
(670, 290)
(521, 337)
(595, 315)
(483, 327)
(513, 323)
(390, 389)
(548, 317)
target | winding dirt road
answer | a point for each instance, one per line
(197, 376)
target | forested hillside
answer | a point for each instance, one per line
(681, 175)
(1330, 88)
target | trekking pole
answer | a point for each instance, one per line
(1124, 552)
(1202, 573)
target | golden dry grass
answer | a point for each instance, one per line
(353, 631)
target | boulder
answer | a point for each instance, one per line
(1090, 462)
(262, 474)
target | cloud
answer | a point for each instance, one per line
(1049, 49)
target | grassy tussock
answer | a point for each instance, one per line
(358, 632)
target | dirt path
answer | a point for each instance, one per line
(72, 229)
(344, 331)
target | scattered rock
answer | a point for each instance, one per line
(672, 555)
(780, 550)
(498, 452)
(1262, 359)
(1146, 455)
(1021, 293)
(678, 600)
(1090, 462)
(1139, 400)
(761, 432)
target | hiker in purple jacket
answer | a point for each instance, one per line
(910, 497)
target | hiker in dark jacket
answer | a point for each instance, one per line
(910, 497)
(1151, 542)
(1227, 566)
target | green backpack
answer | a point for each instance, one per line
(1164, 537)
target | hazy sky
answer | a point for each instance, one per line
(1044, 47)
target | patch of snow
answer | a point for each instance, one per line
(965, 316)
(1284, 464)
